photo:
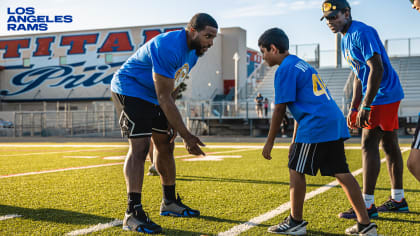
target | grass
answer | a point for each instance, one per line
(228, 193)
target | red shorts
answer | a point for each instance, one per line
(385, 116)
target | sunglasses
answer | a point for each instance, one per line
(331, 17)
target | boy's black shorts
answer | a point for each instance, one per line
(138, 118)
(329, 157)
(416, 140)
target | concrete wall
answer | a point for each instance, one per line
(86, 75)
(234, 40)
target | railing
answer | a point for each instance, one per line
(401, 47)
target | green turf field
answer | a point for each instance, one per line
(52, 199)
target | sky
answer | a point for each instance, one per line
(298, 18)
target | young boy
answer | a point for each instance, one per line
(319, 134)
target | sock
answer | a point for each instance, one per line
(133, 200)
(369, 200)
(361, 226)
(168, 193)
(296, 221)
(397, 194)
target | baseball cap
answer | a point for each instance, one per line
(332, 7)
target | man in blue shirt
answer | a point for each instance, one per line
(377, 93)
(144, 91)
(319, 134)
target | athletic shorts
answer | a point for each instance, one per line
(329, 157)
(385, 116)
(416, 141)
(138, 118)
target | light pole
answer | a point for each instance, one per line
(236, 58)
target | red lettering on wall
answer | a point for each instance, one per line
(43, 46)
(116, 42)
(77, 43)
(12, 47)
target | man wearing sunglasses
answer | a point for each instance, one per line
(377, 93)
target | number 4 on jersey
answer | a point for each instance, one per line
(319, 86)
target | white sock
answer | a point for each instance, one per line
(397, 194)
(369, 200)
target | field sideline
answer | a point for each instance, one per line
(79, 188)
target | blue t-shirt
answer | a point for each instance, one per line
(166, 54)
(298, 84)
(358, 45)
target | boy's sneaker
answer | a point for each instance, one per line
(358, 229)
(152, 171)
(139, 221)
(350, 214)
(177, 208)
(290, 227)
(393, 206)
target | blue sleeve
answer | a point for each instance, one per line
(164, 60)
(369, 43)
(285, 85)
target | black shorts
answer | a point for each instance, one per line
(416, 141)
(329, 157)
(138, 118)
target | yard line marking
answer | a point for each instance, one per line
(81, 157)
(211, 153)
(60, 170)
(286, 206)
(62, 145)
(96, 228)
(126, 146)
(7, 217)
(44, 153)
(211, 158)
(95, 166)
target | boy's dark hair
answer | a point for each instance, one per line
(274, 36)
(200, 20)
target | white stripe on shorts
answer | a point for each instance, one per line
(417, 140)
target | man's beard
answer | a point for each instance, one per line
(197, 46)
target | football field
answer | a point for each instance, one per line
(79, 188)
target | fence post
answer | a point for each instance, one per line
(32, 124)
(409, 47)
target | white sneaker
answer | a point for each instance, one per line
(370, 230)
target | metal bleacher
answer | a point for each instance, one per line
(408, 69)
(335, 78)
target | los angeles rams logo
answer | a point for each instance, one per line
(181, 74)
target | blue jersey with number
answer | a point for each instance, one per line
(358, 45)
(298, 84)
(167, 54)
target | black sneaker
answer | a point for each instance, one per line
(290, 227)
(357, 229)
(177, 208)
(393, 206)
(139, 221)
(350, 214)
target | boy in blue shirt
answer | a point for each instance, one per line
(143, 92)
(319, 134)
(377, 93)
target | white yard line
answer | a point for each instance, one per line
(96, 228)
(60, 170)
(45, 153)
(95, 166)
(7, 217)
(284, 207)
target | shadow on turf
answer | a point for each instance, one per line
(211, 218)
(250, 181)
(54, 215)
(402, 220)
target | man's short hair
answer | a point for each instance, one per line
(274, 36)
(200, 20)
